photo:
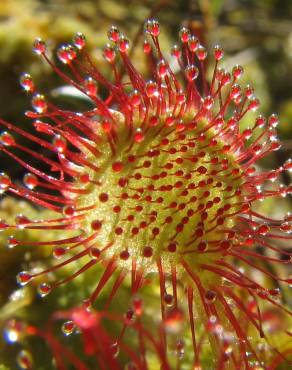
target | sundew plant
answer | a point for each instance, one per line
(157, 187)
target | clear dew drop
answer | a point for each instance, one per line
(39, 46)
(151, 89)
(208, 102)
(44, 289)
(184, 34)
(147, 47)
(21, 220)
(23, 278)
(175, 51)
(11, 242)
(90, 86)
(135, 98)
(263, 229)
(218, 52)
(114, 34)
(275, 145)
(5, 182)
(123, 44)
(66, 53)
(138, 136)
(201, 53)
(109, 53)
(286, 227)
(273, 120)
(68, 327)
(24, 360)
(193, 44)
(288, 165)
(6, 139)
(225, 79)
(79, 40)
(162, 69)
(235, 91)
(39, 103)
(26, 82)
(237, 71)
(59, 143)
(180, 97)
(152, 27)
(191, 72)
(248, 91)
(253, 104)
(30, 181)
